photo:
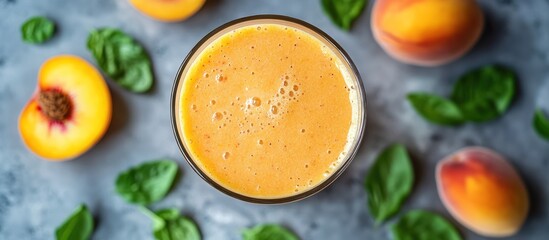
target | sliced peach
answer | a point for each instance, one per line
(168, 10)
(69, 112)
(483, 192)
(426, 32)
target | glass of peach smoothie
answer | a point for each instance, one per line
(268, 109)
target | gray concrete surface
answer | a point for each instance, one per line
(36, 195)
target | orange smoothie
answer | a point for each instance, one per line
(268, 111)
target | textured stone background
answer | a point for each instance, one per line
(36, 195)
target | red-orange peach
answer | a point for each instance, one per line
(426, 32)
(168, 10)
(69, 112)
(482, 191)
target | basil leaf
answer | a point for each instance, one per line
(37, 29)
(436, 109)
(485, 93)
(541, 124)
(79, 226)
(268, 232)
(121, 58)
(176, 226)
(343, 12)
(146, 183)
(423, 225)
(389, 182)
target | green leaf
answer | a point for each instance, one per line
(146, 183)
(37, 29)
(541, 124)
(389, 182)
(176, 227)
(343, 12)
(268, 232)
(423, 225)
(484, 93)
(79, 226)
(121, 58)
(436, 109)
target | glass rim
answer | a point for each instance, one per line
(287, 199)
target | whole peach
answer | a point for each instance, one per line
(168, 10)
(483, 191)
(426, 32)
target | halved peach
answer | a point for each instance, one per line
(168, 10)
(483, 191)
(69, 112)
(426, 32)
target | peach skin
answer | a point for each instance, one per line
(483, 192)
(69, 112)
(168, 10)
(426, 32)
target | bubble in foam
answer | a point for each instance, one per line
(285, 83)
(212, 102)
(193, 107)
(274, 109)
(220, 78)
(291, 93)
(260, 142)
(295, 88)
(226, 155)
(281, 91)
(217, 116)
(254, 101)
